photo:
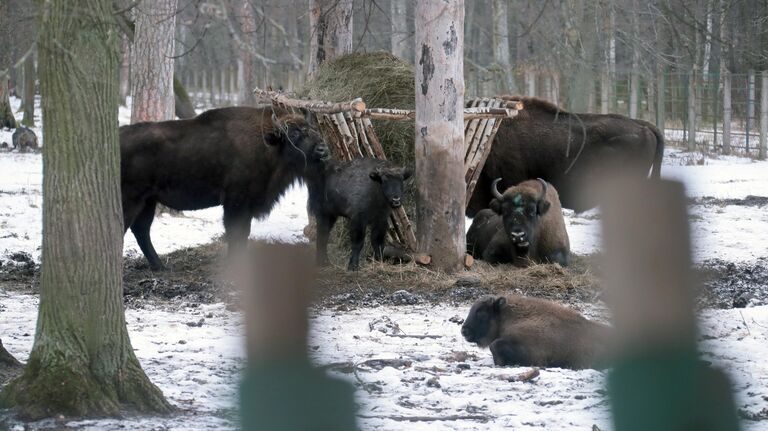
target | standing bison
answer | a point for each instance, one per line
(566, 149)
(362, 190)
(241, 158)
(534, 332)
(524, 224)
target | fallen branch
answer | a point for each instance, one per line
(356, 105)
(420, 337)
(430, 418)
(522, 377)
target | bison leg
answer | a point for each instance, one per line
(237, 227)
(506, 352)
(324, 227)
(378, 235)
(560, 256)
(140, 228)
(357, 239)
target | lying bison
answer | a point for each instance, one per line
(362, 190)
(568, 150)
(241, 158)
(524, 224)
(533, 332)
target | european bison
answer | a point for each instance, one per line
(24, 140)
(534, 332)
(242, 158)
(364, 191)
(566, 149)
(524, 224)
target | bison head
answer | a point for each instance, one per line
(298, 139)
(520, 209)
(482, 323)
(391, 180)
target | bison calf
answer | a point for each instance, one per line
(533, 332)
(524, 224)
(241, 158)
(364, 191)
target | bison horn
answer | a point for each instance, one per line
(543, 189)
(495, 190)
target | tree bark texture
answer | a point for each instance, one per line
(330, 23)
(246, 70)
(440, 132)
(152, 61)
(81, 363)
(506, 75)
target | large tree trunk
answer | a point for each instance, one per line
(29, 91)
(399, 39)
(152, 61)
(246, 71)
(440, 131)
(81, 363)
(330, 23)
(505, 73)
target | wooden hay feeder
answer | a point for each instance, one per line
(347, 128)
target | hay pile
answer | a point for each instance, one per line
(382, 81)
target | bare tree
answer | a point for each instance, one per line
(152, 61)
(6, 63)
(399, 38)
(82, 362)
(440, 131)
(505, 73)
(330, 23)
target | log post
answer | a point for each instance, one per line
(727, 111)
(692, 110)
(763, 114)
(440, 132)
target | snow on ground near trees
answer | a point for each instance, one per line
(197, 368)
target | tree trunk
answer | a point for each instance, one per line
(82, 362)
(727, 110)
(246, 72)
(29, 91)
(330, 23)
(6, 359)
(634, 74)
(184, 107)
(399, 38)
(152, 61)
(506, 75)
(7, 120)
(440, 132)
(580, 40)
(125, 68)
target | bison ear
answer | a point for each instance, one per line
(499, 303)
(376, 175)
(542, 207)
(495, 206)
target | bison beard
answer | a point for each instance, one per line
(567, 150)
(242, 158)
(533, 332)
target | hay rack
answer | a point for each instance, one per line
(347, 128)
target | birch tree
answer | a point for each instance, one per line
(440, 131)
(82, 362)
(330, 23)
(152, 61)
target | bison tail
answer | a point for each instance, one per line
(659, 155)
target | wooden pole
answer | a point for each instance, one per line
(750, 104)
(660, 93)
(440, 132)
(692, 110)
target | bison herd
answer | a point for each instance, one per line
(245, 158)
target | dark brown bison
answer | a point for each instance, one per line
(523, 225)
(364, 191)
(241, 158)
(534, 332)
(566, 149)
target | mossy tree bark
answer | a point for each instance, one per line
(6, 359)
(81, 363)
(440, 132)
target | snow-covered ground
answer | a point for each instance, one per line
(198, 367)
